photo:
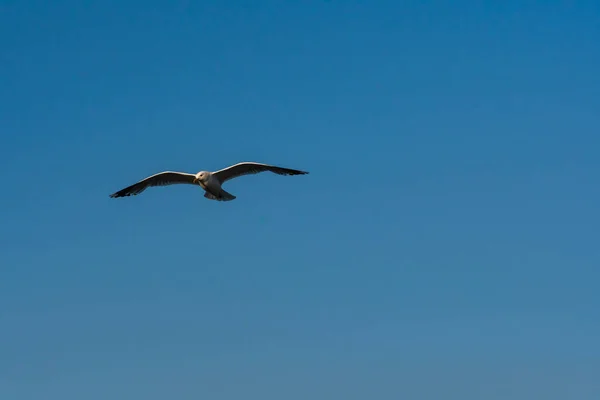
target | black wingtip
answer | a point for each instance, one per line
(297, 172)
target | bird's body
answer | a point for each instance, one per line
(211, 182)
(213, 189)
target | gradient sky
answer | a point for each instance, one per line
(444, 246)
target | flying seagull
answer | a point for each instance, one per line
(209, 181)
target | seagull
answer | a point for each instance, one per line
(209, 181)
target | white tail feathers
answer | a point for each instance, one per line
(223, 196)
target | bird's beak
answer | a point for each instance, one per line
(195, 180)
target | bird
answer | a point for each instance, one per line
(211, 182)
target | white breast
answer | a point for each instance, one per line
(213, 184)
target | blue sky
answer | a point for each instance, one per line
(444, 245)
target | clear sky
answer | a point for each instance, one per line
(444, 246)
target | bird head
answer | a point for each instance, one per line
(201, 176)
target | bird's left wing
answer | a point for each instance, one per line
(246, 168)
(161, 179)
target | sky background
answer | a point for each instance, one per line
(444, 245)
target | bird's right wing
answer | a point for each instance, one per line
(161, 179)
(247, 168)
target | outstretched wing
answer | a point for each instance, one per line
(161, 179)
(247, 168)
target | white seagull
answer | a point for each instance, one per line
(209, 181)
